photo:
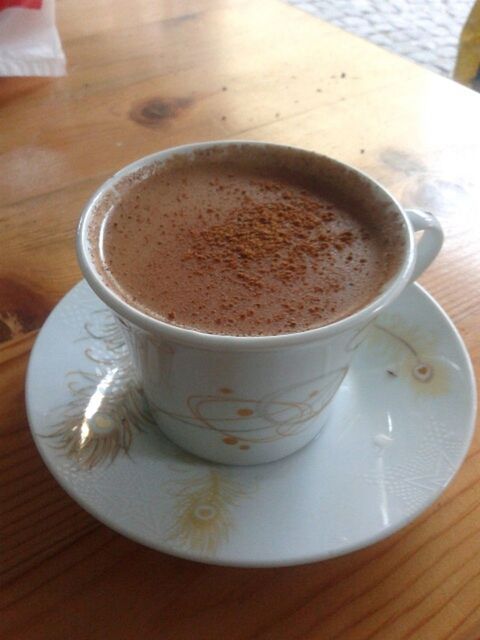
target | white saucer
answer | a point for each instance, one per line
(400, 428)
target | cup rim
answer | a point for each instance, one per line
(198, 338)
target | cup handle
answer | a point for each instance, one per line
(429, 244)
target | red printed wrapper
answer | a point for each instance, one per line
(26, 4)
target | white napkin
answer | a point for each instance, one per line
(29, 41)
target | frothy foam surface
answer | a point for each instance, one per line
(230, 247)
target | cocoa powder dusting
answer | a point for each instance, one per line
(286, 236)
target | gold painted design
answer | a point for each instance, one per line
(107, 406)
(412, 355)
(204, 504)
(247, 421)
(107, 409)
(358, 338)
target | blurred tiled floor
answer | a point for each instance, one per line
(427, 31)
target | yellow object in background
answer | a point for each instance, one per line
(467, 69)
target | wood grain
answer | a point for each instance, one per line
(148, 75)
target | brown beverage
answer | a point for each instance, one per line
(233, 246)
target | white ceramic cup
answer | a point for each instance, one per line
(250, 400)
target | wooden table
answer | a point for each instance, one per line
(148, 75)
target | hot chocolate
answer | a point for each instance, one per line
(235, 247)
